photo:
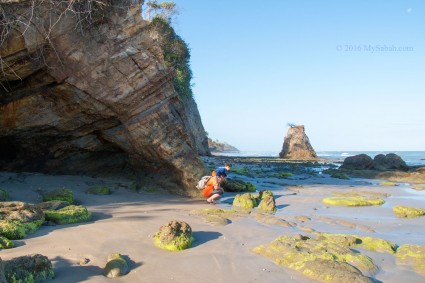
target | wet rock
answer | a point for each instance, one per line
(267, 204)
(390, 161)
(245, 201)
(408, 212)
(174, 236)
(62, 194)
(353, 201)
(69, 214)
(31, 268)
(319, 259)
(358, 162)
(116, 266)
(233, 185)
(19, 218)
(413, 255)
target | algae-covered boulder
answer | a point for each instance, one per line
(408, 212)
(32, 268)
(69, 214)
(17, 219)
(4, 195)
(318, 259)
(369, 243)
(174, 236)
(233, 185)
(5, 243)
(263, 193)
(116, 266)
(63, 194)
(353, 201)
(267, 204)
(246, 201)
(413, 255)
(52, 205)
(101, 190)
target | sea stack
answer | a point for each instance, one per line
(296, 144)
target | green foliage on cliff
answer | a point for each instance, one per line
(176, 54)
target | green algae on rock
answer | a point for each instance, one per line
(318, 259)
(234, 185)
(17, 219)
(267, 204)
(353, 201)
(33, 268)
(263, 193)
(340, 175)
(69, 214)
(5, 243)
(174, 236)
(413, 255)
(100, 190)
(408, 212)
(245, 201)
(390, 184)
(63, 194)
(116, 266)
(369, 243)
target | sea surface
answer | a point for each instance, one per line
(410, 157)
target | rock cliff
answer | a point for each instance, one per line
(220, 146)
(92, 95)
(296, 145)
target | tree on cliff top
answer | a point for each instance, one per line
(166, 10)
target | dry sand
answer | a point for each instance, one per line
(125, 221)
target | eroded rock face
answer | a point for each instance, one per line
(98, 102)
(296, 145)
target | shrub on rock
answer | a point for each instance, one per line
(32, 268)
(63, 194)
(174, 236)
(69, 214)
(116, 266)
(246, 201)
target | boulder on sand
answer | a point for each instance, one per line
(174, 236)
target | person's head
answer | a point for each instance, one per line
(227, 166)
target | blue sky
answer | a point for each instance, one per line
(259, 65)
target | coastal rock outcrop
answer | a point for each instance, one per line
(296, 144)
(381, 162)
(218, 146)
(93, 94)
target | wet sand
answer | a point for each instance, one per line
(125, 222)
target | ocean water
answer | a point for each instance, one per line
(410, 157)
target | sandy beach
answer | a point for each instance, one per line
(125, 221)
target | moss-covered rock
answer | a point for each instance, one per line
(17, 219)
(4, 195)
(340, 175)
(69, 214)
(33, 268)
(216, 216)
(319, 259)
(5, 243)
(267, 204)
(369, 243)
(263, 193)
(390, 184)
(241, 171)
(245, 201)
(174, 236)
(413, 255)
(100, 190)
(52, 205)
(63, 194)
(234, 185)
(353, 201)
(408, 212)
(281, 175)
(116, 266)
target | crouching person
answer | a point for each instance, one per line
(213, 189)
